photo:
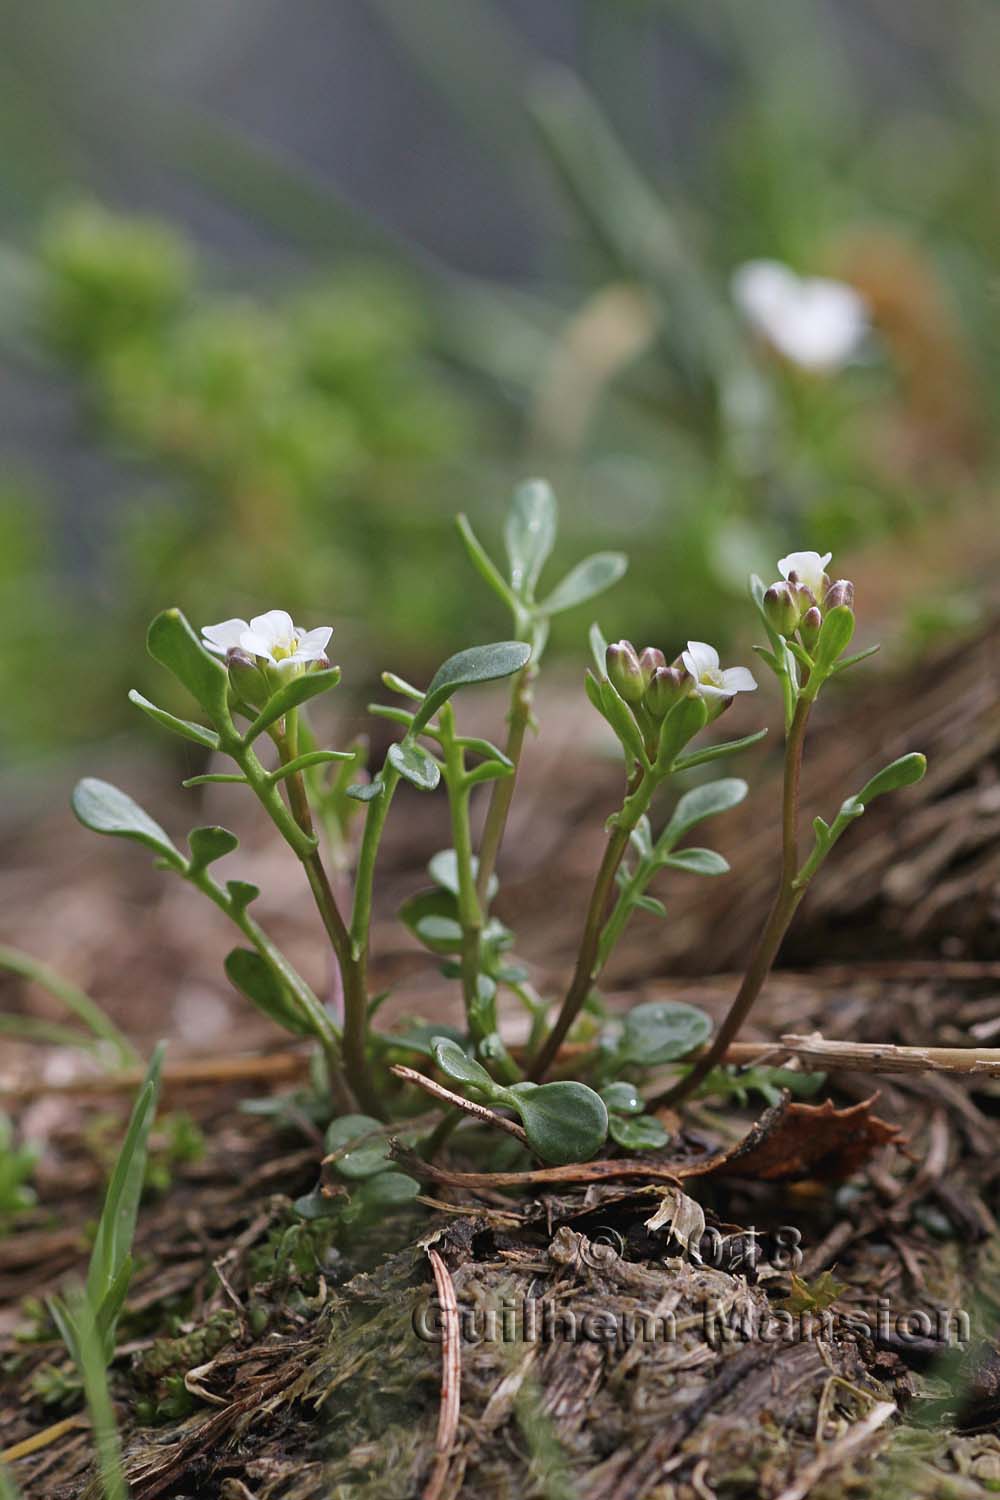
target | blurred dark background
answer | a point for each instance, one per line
(283, 286)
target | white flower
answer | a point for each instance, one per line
(710, 681)
(809, 568)
(272, 637)
(815, 322)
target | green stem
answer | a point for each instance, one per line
(502, 794)
(620, 913)
(769, 942)
(378, 809)
(470, 914)
(587, 964)
(306, 846)
(76, 1000)
(356, 971)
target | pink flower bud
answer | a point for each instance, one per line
(782, 606)
(667, 687)
(650, 658)
(624, 671)
(809, 627)
(841, 592)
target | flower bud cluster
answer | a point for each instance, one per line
(643, 678)
(802, 598)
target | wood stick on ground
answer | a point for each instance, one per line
(478, 1111)
(269, 1067)
(451, 1377)
(883, 1057)
(835, 1454)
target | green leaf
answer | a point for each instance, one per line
(415, 764)
(686, 719)
(379, 1194)
(440, 934)
(349, 1128)
(852, 661)
(643, 1134)
(641, 837)
(529, 535)
(419, 1038)
(757, 592)
(241, 893)
(477, 664)
(308, 760)
(116, 1227)
(564, 1122)
(906, 771)
(104, 809)
(392, 713)
(432, 916)
(485, 566)
(316, 1205)
(173, 643)
(622, 1098)
(700, 803)
(716, 752)
(457, 1064)
(209, 844)
(588, 579)
(204, 737)
(214, 778)
(487, 770)
(253, 976)
(697, 862)
(292, 694)
(402, 687)
(107, 1314)
(618, 714)
(365, 791)
(598, 650)
(651, 905)
(369, 1156)
(834, 637)
(485, 748)
(443, 870)
(660, 1031)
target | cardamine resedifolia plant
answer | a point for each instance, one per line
(254, 681)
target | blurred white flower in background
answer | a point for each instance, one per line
(272, 637)
(815, 322)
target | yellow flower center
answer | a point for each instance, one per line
(281, 653)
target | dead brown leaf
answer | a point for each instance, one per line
(794, 1140)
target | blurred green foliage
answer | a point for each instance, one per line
(281, 447)
(302, 440)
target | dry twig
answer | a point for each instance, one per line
(478, 1111)
(883, 1057)
(451, 1377)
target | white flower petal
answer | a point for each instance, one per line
(275, 627)
(257, 645)
(224, 636)
(711, 690)
(313, 643)
(738, 680)
(809, 568)
(705, 657)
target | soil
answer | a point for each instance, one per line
(267, 1358)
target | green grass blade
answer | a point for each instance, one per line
(116, 1228)
(76, 1000)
